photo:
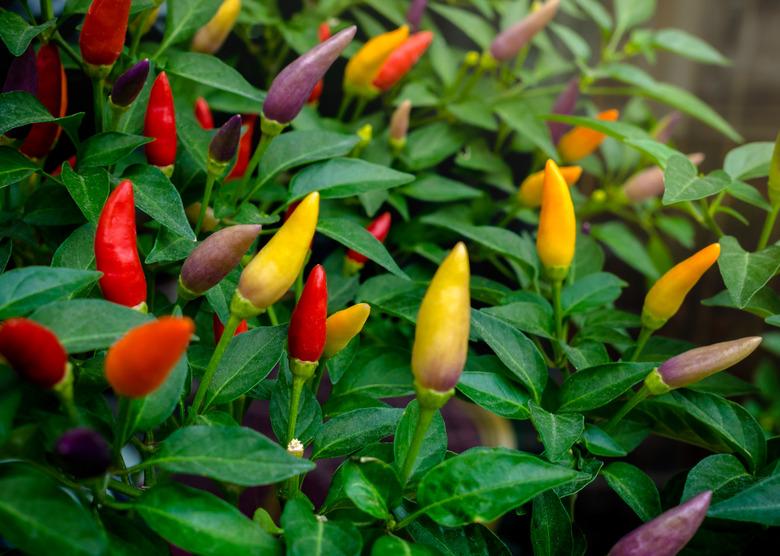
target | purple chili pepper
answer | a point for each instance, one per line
(509, 42)
(649, 183)
(414, 14)
(22, 74)
(224, 144)
(83, 452)
(292, 87)
(564, 105)
(668, 533)
(214, 258)
(129, 85)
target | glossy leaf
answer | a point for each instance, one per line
(348, 432)
(597, 386)
(558, 432)
(25, 289)
(635, 488)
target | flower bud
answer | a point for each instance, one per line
(668, 533)
(274, 269)
(379, 228)
(219, 328)
(203, 114)
(210, 222)
(666, 126)
(83, 453)
(471, 59)
(530, 192)
(441, 336)
(306, 334)
(295, 448)
(344, 325)
(667, 294)
(399, 125)
(699, 363)
(364, 66)
(583, 141)
(414, 14)
(212, 36)
(224, 144)
(564, 105)
(509, 42)
(33, 351)
(293, 85)
(22, 73)
(128, 86)
(649, 183)
(774, 174)
(140, 361)
(214, 258)
(557, 234)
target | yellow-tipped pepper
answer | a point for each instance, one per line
(212, 36)
(667, 294)
(530, 192)
(274, 269)
(557, 233)
(442, 334)
(344, 325)
(582, 141)
(364, 66)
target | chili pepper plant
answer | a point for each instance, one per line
(260, 261)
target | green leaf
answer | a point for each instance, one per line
(247, 361)
(339, 178)
(475, 540)
(745, 273)
(438, 189)
(88, 324)
(89, 190)
(759, 503)
(354, 236)
(372, 486)
(591, 292)
(515, 350)
(749, 161)
(393, 546)
(198, 521)
(78, 249)
(17, 34)
(557, 432)
(18, 109)
(38, 517)
(185, 17)
(626, 247)
(723, 474)
(351, 431)
(429, 145)
(306, 535)
(309, 420)
(689, 46)
(529, 316)
(474, 27)
(169, 247)
(157, 197)
(211, 71)
(682, 181)
(152, 410)
(105, 149)
(24, 289)
(629, 13)
(14, 167)
(484, 382)
(599, 443)
(550, 526)
(597, 386)
(434, 445)
(635, 488)
(378, 372)
(473, 112)
(520, 117)
(596, 12)
(236, 455)
(482, 484)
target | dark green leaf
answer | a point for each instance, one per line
(431, 144)
(723, 474)
(105, 149)
(351, 431)
(745, 273)
(759, 503)
(354, 236)
(682, 181)
(438, 189)
(18, 109)
(89, 190)
(635, 488)
(550, 526)
(592, 291)
(309, 420)
(212, 72)
(157, 197)
(25, 289)
(484, 382)
(557, 432)
(152, 410)
(185, 17)
(78, 249)
(17, 34)
(14, 167)
(597, 386)
(520, 117)
(599, 443)
(689, 46)
(626, 246)
(393, 546)
(344, 177)
(372, 486)
(305, 534)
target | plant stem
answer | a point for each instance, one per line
(769, 226)
(710, 220)
(641, 341)
(424, 417)
(68, 50)
(346, 100)
(409, 518)
(99, 99)
(295, 401)
(272, 316)
(558, 314)
(628, 406)
(120, 429)
(359, 108)
(47, 11)
(205, 204)
(216, 357)
(265, 140)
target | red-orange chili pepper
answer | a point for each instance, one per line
(116, 253)
(244, 148)
(307, 332)
(33, 351)
(219, 328)
(160, 124)
(103, 32)
(402, 60)
(379, 228)
(203, 113)
(53, 94)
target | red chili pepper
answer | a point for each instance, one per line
(203, 113)
(219, 328)
(103, 32)
(53, 94)
(160, 124)
(402, 60)
(116, 253)
(323, 34)
(306, 335)
(379, 228)
(244, 148)
(323, 31)
(33, 351)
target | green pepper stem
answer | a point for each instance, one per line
(644, 336)
(557, 285)
(205, 203)
(262, 146)
(638, 397)
(424, 418)
(769, 226)
(272, 316)
(211, 369)
(99, 99)
(295, 401)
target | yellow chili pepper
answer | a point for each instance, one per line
(211, 36)
(364, 66)
(344, 325)
(274, 269)
(442, 334)
(557, 232)
(530, 192)
(667, 294)
(582, 141)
